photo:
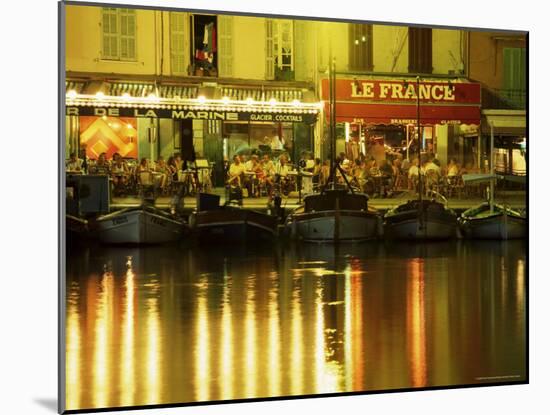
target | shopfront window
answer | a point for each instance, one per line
(263, 138)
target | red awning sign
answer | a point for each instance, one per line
(394, 102)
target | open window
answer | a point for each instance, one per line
(204, 45)
(279, 49)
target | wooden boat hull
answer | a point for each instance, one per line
(429, 224)
(334, 226)
(139, 226)
(233, 224)
(498, 226)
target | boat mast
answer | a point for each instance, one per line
(492, 172)
(418, 137)
(332, 117)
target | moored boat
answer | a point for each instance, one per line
(334, 215)
(501, 223)
(142, 225)
(420, 220)
(214, 222)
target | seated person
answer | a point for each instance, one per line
(162, 168)
(281, 170)
(236, 171)
(101, 166)
(74, 164)
(119, 171)
(452, 168)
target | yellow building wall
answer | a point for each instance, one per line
(447, 51)
(390, 49)
(249, 56)
(332, 36)
(83, 42)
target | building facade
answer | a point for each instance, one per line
(498, 61)
(147, 83)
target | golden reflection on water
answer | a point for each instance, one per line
(250, 369)
(103, 355)
(416, 319)
(73, 349)
(153, 353)
(226, 355)
(274, 359)
(202, 347)
(297, 352)
(127, 349)
(155, 337)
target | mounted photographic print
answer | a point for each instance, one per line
(259, 207)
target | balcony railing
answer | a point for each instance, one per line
(503, 98)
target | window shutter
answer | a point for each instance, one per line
(177, 39)
(225, 45)
(109, 28)
(127, 34)
(514, 75)
(420, 50)
(269, 49)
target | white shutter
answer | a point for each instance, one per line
(109, 29)
(225, 45)
(127, 34)
(270, 25)
(177, 39)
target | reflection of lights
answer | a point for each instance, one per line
(201, 98)
(249, 100)
(153, 352)
(227, 346)
(274, 346)
(348, 338)
(130, 127)
(103, 326)
(250, 370)
(126, 96)
(225, 100)
(73, 387)
(71, 94)
(416, 320)
(520, 287)
(295, 102)
(104, 118)
(297, 378)
(100, 95)
(272, 102)
(202, 351)
(127, 381)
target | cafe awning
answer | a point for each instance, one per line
(394, 101)
(405, 114)
(505, 122)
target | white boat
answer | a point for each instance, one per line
(143, 225)
(334, 216)
(420, 220)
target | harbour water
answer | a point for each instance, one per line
(178, 324)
